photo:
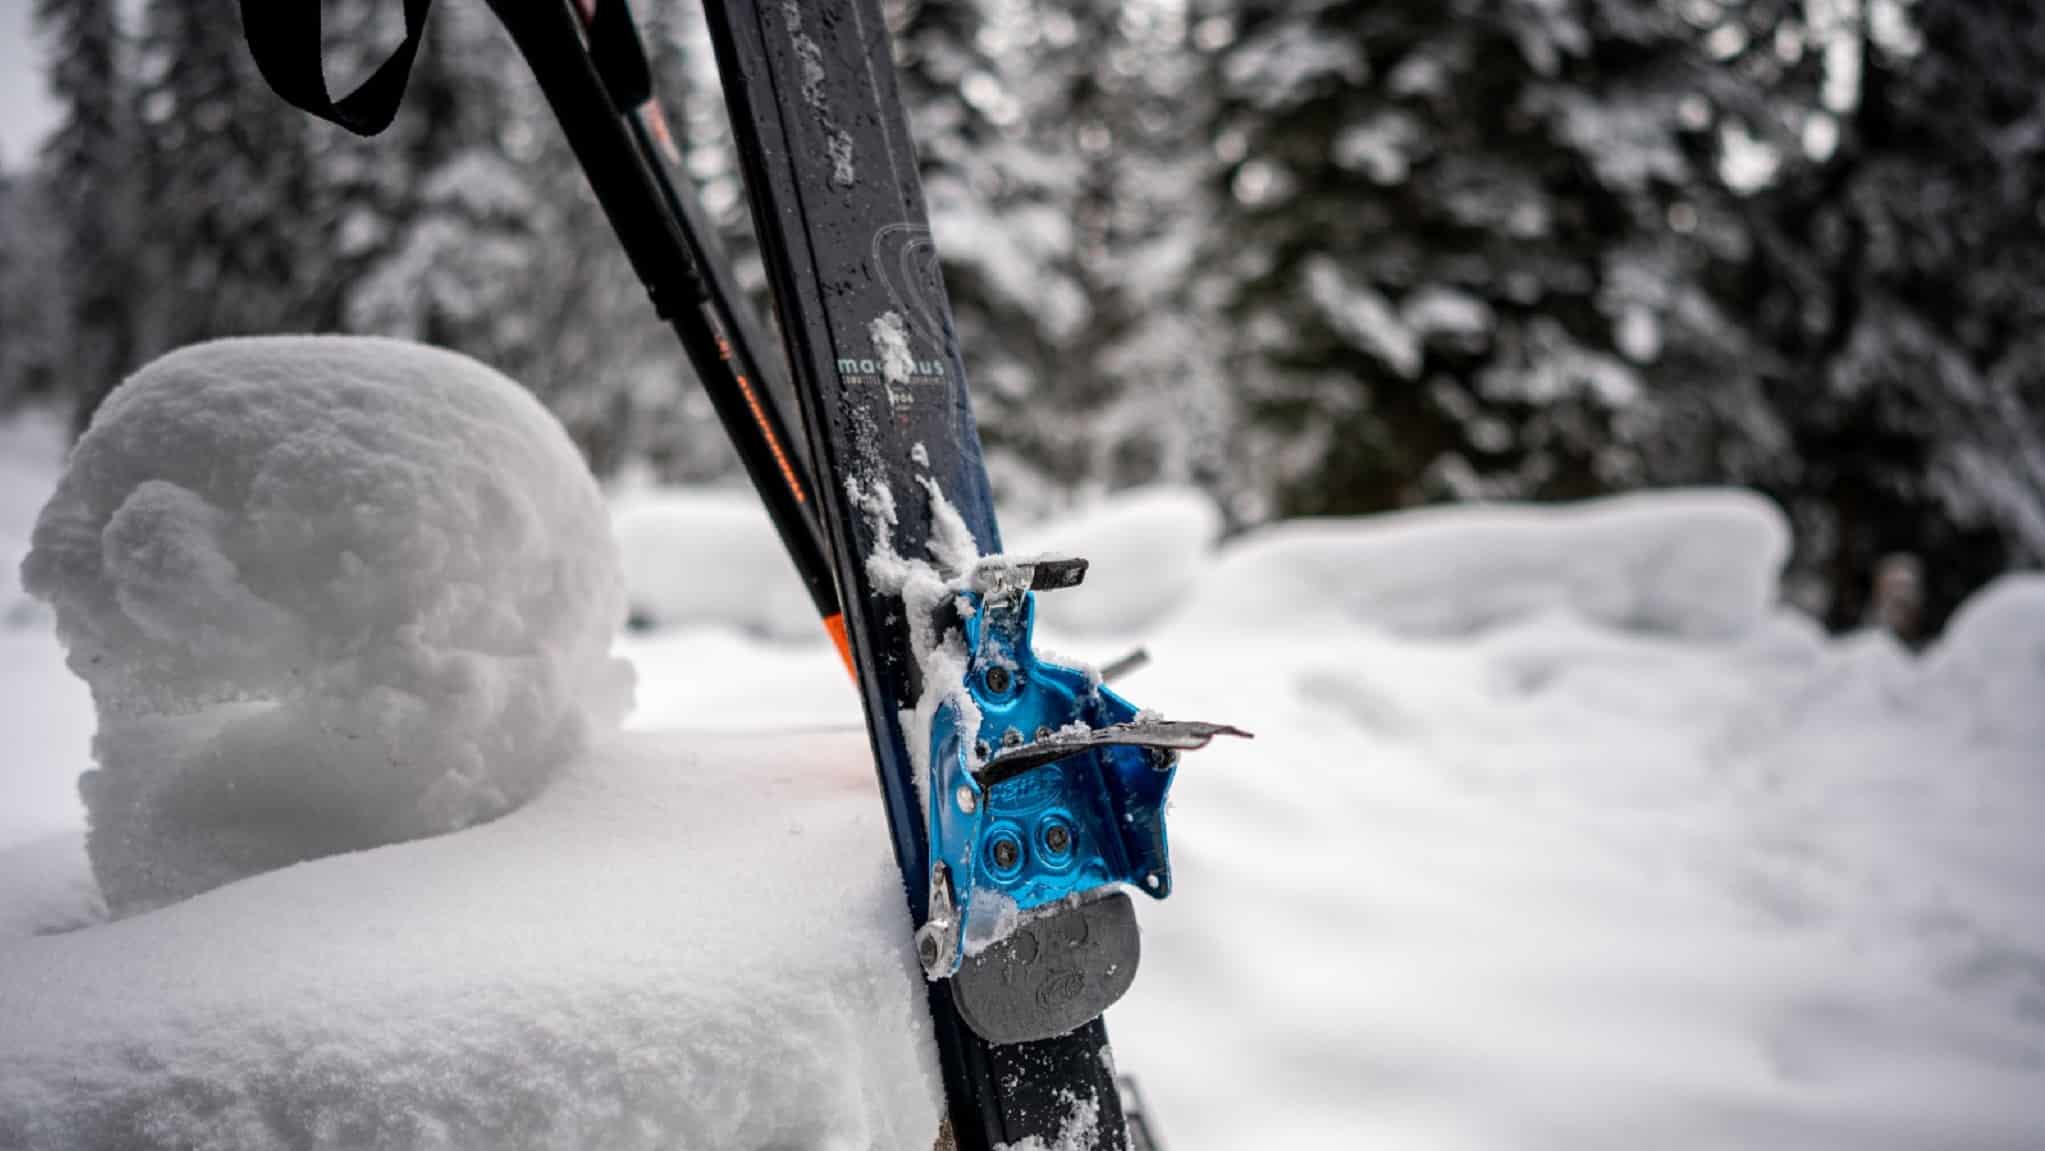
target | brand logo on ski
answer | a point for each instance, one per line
(905, 259)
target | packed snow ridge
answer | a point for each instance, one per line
(1695, 563)
(328, 593)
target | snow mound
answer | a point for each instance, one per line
(1145, 546)
(1693, 563)
(698, 558)
(1992, 656)
(617, 965)
(328, 593)
(48, 887)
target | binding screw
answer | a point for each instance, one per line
(998, 680)
(1057, 838)
(1006, 853)
(966, 801)
(926, 949)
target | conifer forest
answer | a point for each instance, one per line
(1317, 258)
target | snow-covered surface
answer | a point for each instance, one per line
(50, 732)
(688, 941)
(328, 593)
(1698, 563)
(1556, 833)
(1145, 548)
(45, 883)
(699, 558)
(1558, 884)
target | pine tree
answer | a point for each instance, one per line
(240, 224)
(85, 165)
(1464, 246)
(34, 296)
(1898, 274)
(1107, 123)
(1060, 150)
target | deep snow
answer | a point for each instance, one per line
(631, 961)
(1556, 833)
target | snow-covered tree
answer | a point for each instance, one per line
(238, 221)
(1898, 277)
(34, 296)
(1465, 250)
(85, 166)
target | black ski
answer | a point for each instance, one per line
(838, 206)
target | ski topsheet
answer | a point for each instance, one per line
(839, 209)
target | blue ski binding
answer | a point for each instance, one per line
(1039, 813)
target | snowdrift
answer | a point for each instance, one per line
(709, 558)
(686, 942)
(1699, 563)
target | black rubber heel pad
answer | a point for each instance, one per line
(1054, 974)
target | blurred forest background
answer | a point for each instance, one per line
(1315, 257)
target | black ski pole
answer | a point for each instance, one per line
(597, 79)
(594, 75)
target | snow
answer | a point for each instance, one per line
(891, 347)
(1695, 563)
(950, 541)
(708, 557)
(327, 594)
(922, 584)
(1145, 547)
(1079, 1129)
(1362, 317)
(38, 776)
(1558, 832)
(1991, 660)
(1381, 147)
(622, 964)
(1454, 317)
(1283, 66)
(1765, 891)
(48, 885)
(837, 141)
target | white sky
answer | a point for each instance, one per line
(26, 113)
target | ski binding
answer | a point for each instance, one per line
(1037, 815)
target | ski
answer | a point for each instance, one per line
(878, 374)
(1013, 869)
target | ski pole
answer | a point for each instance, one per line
(719, 320)
(593, 69)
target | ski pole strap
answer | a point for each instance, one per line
(284, 37)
